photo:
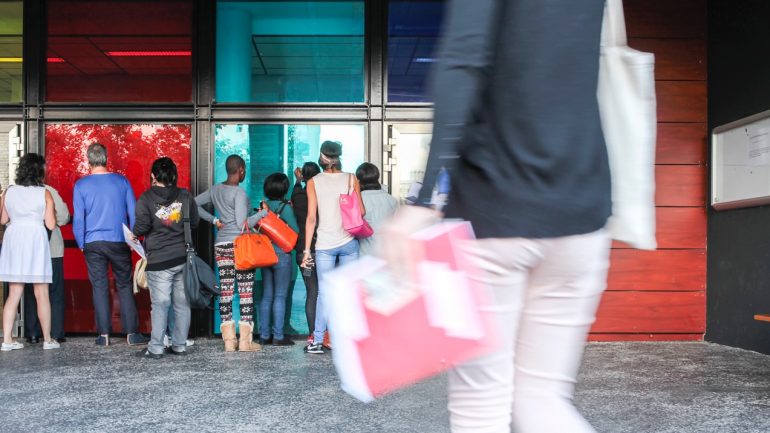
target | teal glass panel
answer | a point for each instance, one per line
(275, 148)
(290, 51)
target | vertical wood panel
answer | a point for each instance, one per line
(681, 101)
(681, 143)
(661, 270)
(680, 185)
(652, 312)
(683, 59)
(660, 295)
(666, 18)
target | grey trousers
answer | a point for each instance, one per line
(165, 285)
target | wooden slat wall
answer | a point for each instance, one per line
(661, 295)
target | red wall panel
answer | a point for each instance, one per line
(663, 270)
(131, 150)
(660, 295)
(681, 143)
(680, 185)
(652, 312)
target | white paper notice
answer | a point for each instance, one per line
(134, 244)
(759, 145)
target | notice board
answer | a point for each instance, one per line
(740, 163)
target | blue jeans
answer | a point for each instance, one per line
(166, 285)
(275, 288)
(325, 262)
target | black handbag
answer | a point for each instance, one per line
(200, 282)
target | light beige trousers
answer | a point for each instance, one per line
(544, 293)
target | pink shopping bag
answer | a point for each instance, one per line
(352, 220)
(390, 331)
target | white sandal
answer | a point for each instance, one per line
(7, 347)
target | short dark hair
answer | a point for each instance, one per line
(309, 170)
(276, 186)
(165, 171)
(369, 176)
(331, 151)
(234, 163)
(31, 170)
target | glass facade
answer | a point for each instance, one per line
(271, 148)
(131, 149)
(11, 27)
(269, 80)
(413, 30)
(119, 51)
(290, 51)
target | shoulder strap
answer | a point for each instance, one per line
(186, 221)
(280, 210)
(614, 24)
(350, 184)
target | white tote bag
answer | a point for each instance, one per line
(627, 106)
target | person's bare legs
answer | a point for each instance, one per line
(9, 310)
(43, 309)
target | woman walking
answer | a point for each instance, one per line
(333, 245)
(232, 204)
(160, 213)
(378, 203)
(28, 211)
(277, 278)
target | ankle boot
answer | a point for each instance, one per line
(246, 344)
(228, 335)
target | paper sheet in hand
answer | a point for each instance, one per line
(133, 244)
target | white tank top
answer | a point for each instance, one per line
(328, 187)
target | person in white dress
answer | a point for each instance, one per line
(28, 213)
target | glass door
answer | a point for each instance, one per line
(405, 154)
(11, 148)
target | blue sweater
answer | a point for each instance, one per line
(102, 204)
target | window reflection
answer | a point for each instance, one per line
(290, 51)
(11, 51)
(119, 51)
(281, 148)
(413, 30)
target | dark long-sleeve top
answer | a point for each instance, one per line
(516, 120)
(299, 202)
(159, 218)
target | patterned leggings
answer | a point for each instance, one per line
(228, 276)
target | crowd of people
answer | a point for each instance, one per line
(104, 203)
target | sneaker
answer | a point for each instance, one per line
(7, 347)
(149, 355)
(102, 340)
(53, 344)
(316, 348)
(171, 351)
(136, 339)
(285, 341)
(265, 341)
(167, 342)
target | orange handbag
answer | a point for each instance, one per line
(278, 231)
(253, 250)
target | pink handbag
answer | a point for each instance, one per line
(352, 220)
